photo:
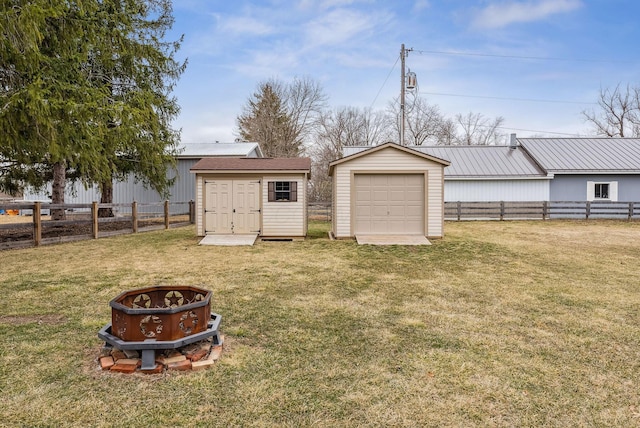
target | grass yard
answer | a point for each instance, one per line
(498, 324)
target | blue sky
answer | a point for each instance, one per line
(504, 58)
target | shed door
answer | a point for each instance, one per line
(232, 206)
(389, 204)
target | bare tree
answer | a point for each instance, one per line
(448, 132)
(618, 113)
(281, 116)
(338, 128)
(423, 121)
(479, 130)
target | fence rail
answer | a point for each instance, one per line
(541, 210)
(84, 222)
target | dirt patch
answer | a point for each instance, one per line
(48, 319)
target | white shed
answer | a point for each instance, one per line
(388, 190)
(267, 196)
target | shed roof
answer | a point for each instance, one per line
(356, 152)
(200, 150)
(478, 161)
(585, 155)
(244, 165)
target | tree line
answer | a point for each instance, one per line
(294, 119)
(86, 98)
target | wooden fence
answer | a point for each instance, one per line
(543, 210)
(83, 221)
(537, 210)
(34, 227)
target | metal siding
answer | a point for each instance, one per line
(574, 187)
(496, 190)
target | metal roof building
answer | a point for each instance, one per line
(588, 169)
(487, 173)
(183, 189)
(585, 155)
(203, 150)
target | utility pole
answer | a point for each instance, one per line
(403, 54)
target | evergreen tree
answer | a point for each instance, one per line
(85, 92)
(265, 120)
(280, 117)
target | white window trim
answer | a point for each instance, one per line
(613, 191)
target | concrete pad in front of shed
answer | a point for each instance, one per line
(229, 240)
(392, 240)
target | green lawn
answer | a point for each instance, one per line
(498, 324)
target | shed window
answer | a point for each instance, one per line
(283, 191)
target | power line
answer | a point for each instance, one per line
(533, 130)
(507, 99)
(537, 58)
(385, 82)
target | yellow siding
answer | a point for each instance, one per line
(284, 218)
(390, 160)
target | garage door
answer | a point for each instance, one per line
(388, 204)
(232, 206)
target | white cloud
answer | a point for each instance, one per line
(498, 15)
(341, 25)
(421, 5)
(244, 25)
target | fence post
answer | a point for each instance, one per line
(166, 214)
(588, 210)
(134, 216)
(192, 212)
(545, 208)
(37, 223)
(94, 219)
(630, 211)
(459, 209)
(501, 210)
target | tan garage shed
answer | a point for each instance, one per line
(388, 190)
(263, 196)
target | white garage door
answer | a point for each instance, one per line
(389, 204)
(232, 206)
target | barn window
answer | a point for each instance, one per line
(283, 191)
(602, 191)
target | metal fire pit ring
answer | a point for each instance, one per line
(160, 317)
(148, 346)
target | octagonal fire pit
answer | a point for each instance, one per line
(161, 317)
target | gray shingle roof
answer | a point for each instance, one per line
(585, 155)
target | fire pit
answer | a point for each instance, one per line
(160, 317)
